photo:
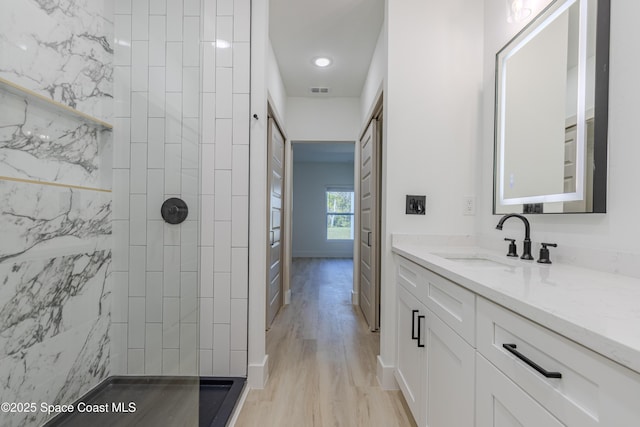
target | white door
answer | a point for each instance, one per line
(274, 253)
(369, 238)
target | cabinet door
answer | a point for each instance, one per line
(450, 376)
(410, 371)
(501, 403)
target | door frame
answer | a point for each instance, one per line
(375, 113)
(285, 239)
(288, 219)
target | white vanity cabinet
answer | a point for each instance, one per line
(463, 360)
(411, 358)
(517, 387)
(435, 365)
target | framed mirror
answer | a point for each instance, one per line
(551, 112)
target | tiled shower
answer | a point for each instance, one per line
(93, 283)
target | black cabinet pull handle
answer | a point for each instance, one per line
(511, 348)
(419, 344)
(413, 325)
(369, 239)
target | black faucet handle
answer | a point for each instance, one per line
(544, 252)
(513, 251)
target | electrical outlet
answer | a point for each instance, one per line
(469, 205)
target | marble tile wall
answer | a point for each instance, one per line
(181, 130)
(60, 49)
(55, 180)
(55, 262)
(39, 142)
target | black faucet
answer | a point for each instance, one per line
(527, 238)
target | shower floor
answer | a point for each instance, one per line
(158, 401)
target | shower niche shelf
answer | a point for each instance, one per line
(44, 102)
(48, 143)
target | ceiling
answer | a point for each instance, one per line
(324, 152)
(344, 30)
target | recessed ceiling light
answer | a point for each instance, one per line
(322, 61)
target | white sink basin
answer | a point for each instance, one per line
(475, 260)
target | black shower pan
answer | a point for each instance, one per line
(124, 401)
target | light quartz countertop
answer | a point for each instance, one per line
(598, 310)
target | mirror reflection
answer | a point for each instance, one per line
(549, 104)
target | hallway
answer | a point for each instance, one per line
(323, 358)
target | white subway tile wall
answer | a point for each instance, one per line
(153, 349)
(158, 7)
(154, 297)
(119, 347)
(121, 152)
(135, 361)
(181, 120)
(123, 7)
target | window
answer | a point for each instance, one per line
(340, 204)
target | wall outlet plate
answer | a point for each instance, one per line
(469, 205)
(416, 205)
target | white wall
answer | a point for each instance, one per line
(310, 181)
(323, 119)
(611, 231)
(258, 360)
(275, 86)
(375, 76)
(432, 117)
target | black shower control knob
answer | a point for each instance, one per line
(174, 210)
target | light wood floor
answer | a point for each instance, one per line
(322, 359)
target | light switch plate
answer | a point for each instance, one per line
(416, 205)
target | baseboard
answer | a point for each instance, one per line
(355, 298)
(385, 375)
(322, 254)
(287, 297)
(258, 374)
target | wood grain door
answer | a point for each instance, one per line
(369, 230)
(274, 239)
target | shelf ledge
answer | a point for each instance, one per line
(54, 184)
(31, 95)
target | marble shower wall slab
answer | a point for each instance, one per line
(55, 251)
(61, 49)
(40, 220)
(54, 330)
(42, 144)
(55, 294)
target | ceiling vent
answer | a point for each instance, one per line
(319, 90)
